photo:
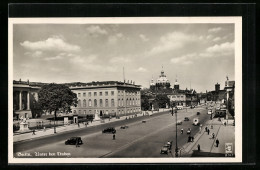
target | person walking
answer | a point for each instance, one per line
(213, 135)
(198, 147)
(217, 143)
(33, 132)
(181, 131)
(77, 142)
(208, 131)
(200, 129)
(114, 137)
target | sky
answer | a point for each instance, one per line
(198, 55)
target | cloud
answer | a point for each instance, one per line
(214, 30)
(34, 54)
(185, 59)
(172, 41)
(114, 38)
(143, 37)
(58, 57)
(96, 30)
(51, 44)
(216, 39)
(141, 69)
(119, 60)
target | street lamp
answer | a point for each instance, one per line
(176, 146)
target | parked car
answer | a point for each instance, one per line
(188, 131)
(164, 149)
(109, 130)
(143, 121)
(179, 122)
(73, 141)
(124, 127)
(186, 119)
(169, 145)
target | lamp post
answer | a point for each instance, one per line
(176, 146)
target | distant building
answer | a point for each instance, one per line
(162, 84)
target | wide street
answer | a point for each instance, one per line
(139, 140)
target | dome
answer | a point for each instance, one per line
(162, 80)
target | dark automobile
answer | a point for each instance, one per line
(198, 113)
(73, 141)
(186, 119)
(124, 127)
(164, 149)
(109, 130)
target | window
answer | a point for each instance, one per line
(89, 103)
(89, 111)
(106, 102)
(95, 93)
(75, 112)
(95, 102)
(84, 94)
(84, 103)
(85, 112)
(79, 95)
(89, 94)
(106, 93)
(119, 102)
(130, 103)
(100, 93)
(112, 93)
(127, 102)
(122, 102)
(101, 103)
(79, 103)
(79, 111)
(112, 103)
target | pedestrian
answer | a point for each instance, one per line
(206, 128)
(200, 129)
(208, 131)
(211, 126)
(198, 147)
(192, 138)
(77, 142)
(114, 136)
(78, 124)
(44, 129)
(225, 123)
(33, 132)
(213, 135)
(181, 131)
(217, 143)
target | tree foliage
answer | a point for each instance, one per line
(162, 99)
(145, 102)
(54, 97)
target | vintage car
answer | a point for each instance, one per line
(109, 130)
(179, 122)
(186, 119)
(73, 141)
(164, 149)
(189, 131)
(169, 145)
(124, 127)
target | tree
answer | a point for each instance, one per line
(55, 97)
(162, 99)
(145, 103)
(36, 109)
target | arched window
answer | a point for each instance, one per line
(119, 102)
(89, 103)
(112, 102)
(84, 103)
(101, 103)
(79, 103)
(122, 102)
(127, 102)
(95, 102)
(130, 103)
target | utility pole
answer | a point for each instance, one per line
(176, 147)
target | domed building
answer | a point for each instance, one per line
(176, 85)
(162, 83)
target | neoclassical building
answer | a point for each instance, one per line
(104, 98)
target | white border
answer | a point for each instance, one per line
(128, 20)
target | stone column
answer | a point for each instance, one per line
(20, 100)
(28, 100)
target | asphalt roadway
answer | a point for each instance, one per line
(138, 140)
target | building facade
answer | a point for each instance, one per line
(161, 84)
(107, 98)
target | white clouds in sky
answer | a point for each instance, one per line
(96, 30)
(119, 60)
(141, 69)
(143, 37)
(172, 41)
(112, 39)
(214, 30)
(51, 44)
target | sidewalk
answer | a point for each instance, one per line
(225, 134)
(59, 129)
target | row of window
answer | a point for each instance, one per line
(106, 93)
(95, 94)
(177, 96)
(120, 102)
